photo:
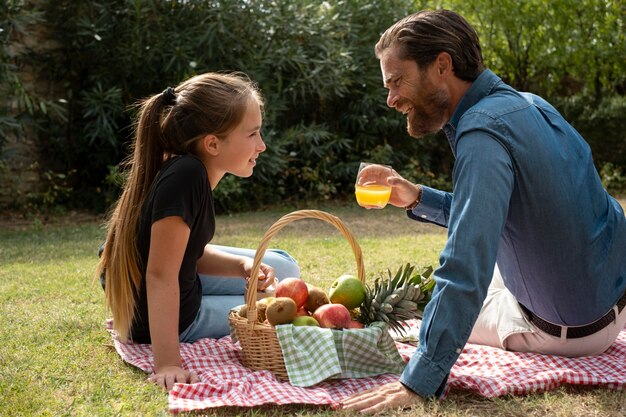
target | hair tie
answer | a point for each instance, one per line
(169, 96)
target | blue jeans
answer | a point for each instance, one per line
(220, 295)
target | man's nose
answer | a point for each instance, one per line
(392, 98)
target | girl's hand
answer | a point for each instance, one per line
(266, 274)
(167, 376)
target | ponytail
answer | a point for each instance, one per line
(120, 258)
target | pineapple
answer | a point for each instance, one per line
(397, 298)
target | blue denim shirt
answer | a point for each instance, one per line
(527, 196)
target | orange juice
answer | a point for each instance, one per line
(372, 195)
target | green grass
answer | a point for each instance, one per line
(56, 357)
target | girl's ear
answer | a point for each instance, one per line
(211, 145)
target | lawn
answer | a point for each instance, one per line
(56, 358)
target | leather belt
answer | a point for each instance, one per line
(576, 332)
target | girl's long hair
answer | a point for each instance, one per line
(170, 123)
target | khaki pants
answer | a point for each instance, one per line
(502, 323)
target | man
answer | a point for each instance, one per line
(528, 214)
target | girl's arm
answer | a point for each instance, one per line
(219, 263)
(168, 241)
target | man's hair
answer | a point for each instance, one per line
(422, 36)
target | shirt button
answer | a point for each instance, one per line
(423, 216)
(458, 350)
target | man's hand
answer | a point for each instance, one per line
(390, 396)
(403, 192)
(169, 375)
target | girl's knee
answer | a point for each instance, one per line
(283, 263)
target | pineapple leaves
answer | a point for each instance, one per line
(397, 297)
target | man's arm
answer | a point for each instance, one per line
(484, 180)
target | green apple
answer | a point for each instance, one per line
(305, 321)
(347, 290)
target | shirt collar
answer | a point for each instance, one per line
(480, 88)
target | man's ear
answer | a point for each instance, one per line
(211, 145)
(443, 63)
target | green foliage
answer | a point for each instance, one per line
(601, 123)
(12, 19)
(314, 62)
(113, 182)
(310, 73)
(102, 110)
(21, 108)
(56, 191)
(613, 179)
(556, 47)
(51, 195)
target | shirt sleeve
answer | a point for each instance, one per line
(180, 192)
(483, 178)
(434, 207)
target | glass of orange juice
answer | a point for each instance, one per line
(371, 188)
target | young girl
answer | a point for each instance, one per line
(163, 283)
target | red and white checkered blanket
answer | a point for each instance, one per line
(487, 371)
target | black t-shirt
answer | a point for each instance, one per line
(180, 189)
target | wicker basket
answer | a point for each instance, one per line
(259, 342)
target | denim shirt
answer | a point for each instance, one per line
(527, 196)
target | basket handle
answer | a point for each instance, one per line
(282, 222)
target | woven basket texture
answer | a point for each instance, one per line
(259, 342)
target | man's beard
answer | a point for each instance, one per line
(423, 120)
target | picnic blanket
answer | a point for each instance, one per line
(488, 371)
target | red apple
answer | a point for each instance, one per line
(302, 312)
(355, 325)
(294, 288)
(332, 316)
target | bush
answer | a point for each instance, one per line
(314, 62)
(613, 178)
(325, 102)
